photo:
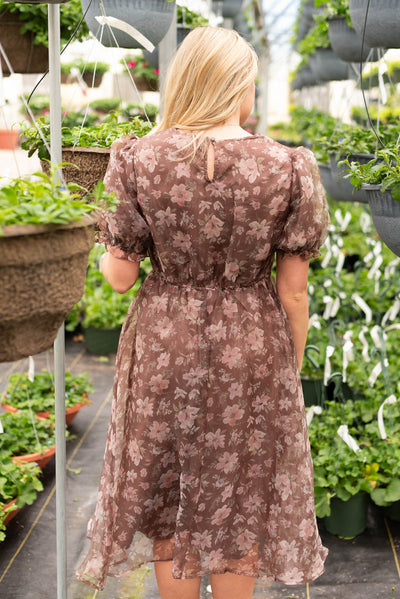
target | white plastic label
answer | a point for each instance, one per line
(375, 373)
(314, 322)
(347, 352)
(363, 305)
(327, 371)
(343, 432)
(365, 349)
(313, 410)
(118, 24)
(31, 369)
(389, 400)
(375, 267)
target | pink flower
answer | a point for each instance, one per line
(245, 540)
(259, 229)
(195, 375)
(167, 479)
(231, 356)
(131, 64)
(249, 169)
(256, 339)
(181, 241)
(165, 217)
(186, 417)
(227, 462)
(159, 431)
(216, 439)
(232, 413)
(220, 515)
(163, 360)
(156, 71)
(235, 390)
(180, 195)
(158, 384)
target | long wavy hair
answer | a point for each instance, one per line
(207, 80)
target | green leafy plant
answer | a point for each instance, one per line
(318, 37)
(131, 110)
(105, 104)
(189, 19)
(142, 70)
(384, 171)
(98, 136)
(39, 395)
(24, 434)
(334, 8)
(33, 19)
(44, 200)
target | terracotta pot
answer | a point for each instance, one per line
(23, 55)
(42, 276)
(382, 28)
(9, 139)
(151, 17)
(12, 514)
(41, 459)
(86, 165)
(70, 413)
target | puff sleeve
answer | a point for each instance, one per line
(307, 222)
(125, 229)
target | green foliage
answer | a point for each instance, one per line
(24, 434)
(85, 67)
(384, 171)
(39, 395)
(131, 110)
(98, 136)
(189, 19)
(33, 18)
(44, 200)
(141, 69)
(318, 37)
(335, 8)
(19, 481)
(105, 104)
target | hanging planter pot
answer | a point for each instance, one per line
(308, 77)
(228, 8)
(328, 67)
(348, 518)
(346, 43)
(330, 184)
(151, 18)
(84, 166)
(346, 190)
(23, 54)
(42, 276)
(385, 212)
(382, 29)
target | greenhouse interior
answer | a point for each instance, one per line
(79, 75)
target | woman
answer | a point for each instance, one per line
(207, 466)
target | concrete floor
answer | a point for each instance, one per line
(363, 568)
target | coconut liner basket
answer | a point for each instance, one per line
(42, 276)
(86, 166)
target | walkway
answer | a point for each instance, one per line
(363, 568)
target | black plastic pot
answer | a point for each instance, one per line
(331, 186)
(348, 518)
(385, 213)
(151, 18)
(328, 67)
(346, 43)
(229, 8)
(102, 341)
(382, 29)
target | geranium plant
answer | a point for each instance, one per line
(142, 70)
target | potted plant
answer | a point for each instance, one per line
(322, 59)
(382, 25)
(38, 395)
(25, 33)
(152, 19)
(345, 42)
(144, 75)
(105, 105)
(19, 486)
(146, 112)
(46, 233)
(86, 150)
(26, 440)
(380, 178)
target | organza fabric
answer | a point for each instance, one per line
(207, 444)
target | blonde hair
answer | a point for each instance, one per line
(208, 79)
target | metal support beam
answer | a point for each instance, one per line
(59, 344)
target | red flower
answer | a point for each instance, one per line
(131, 64)
(156, 71)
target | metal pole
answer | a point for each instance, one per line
(166, 51)
(59, 344)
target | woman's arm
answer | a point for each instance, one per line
(119, 272)
(291, 283)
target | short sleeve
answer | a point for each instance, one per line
(307, 224)
(125, 229)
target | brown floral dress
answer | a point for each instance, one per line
(207, 443)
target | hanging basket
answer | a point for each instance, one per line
(229, 8)
(328, 67)
(348, 518)
(331, 186)
(385, 212)
(382, 29)
(346, 190)
(23, 55)
(345, 42)
(151, 18)
(91, 81)
(86, 165)
(42, 276)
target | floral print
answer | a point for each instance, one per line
(207, 444)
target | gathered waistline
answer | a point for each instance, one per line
(261, 280)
